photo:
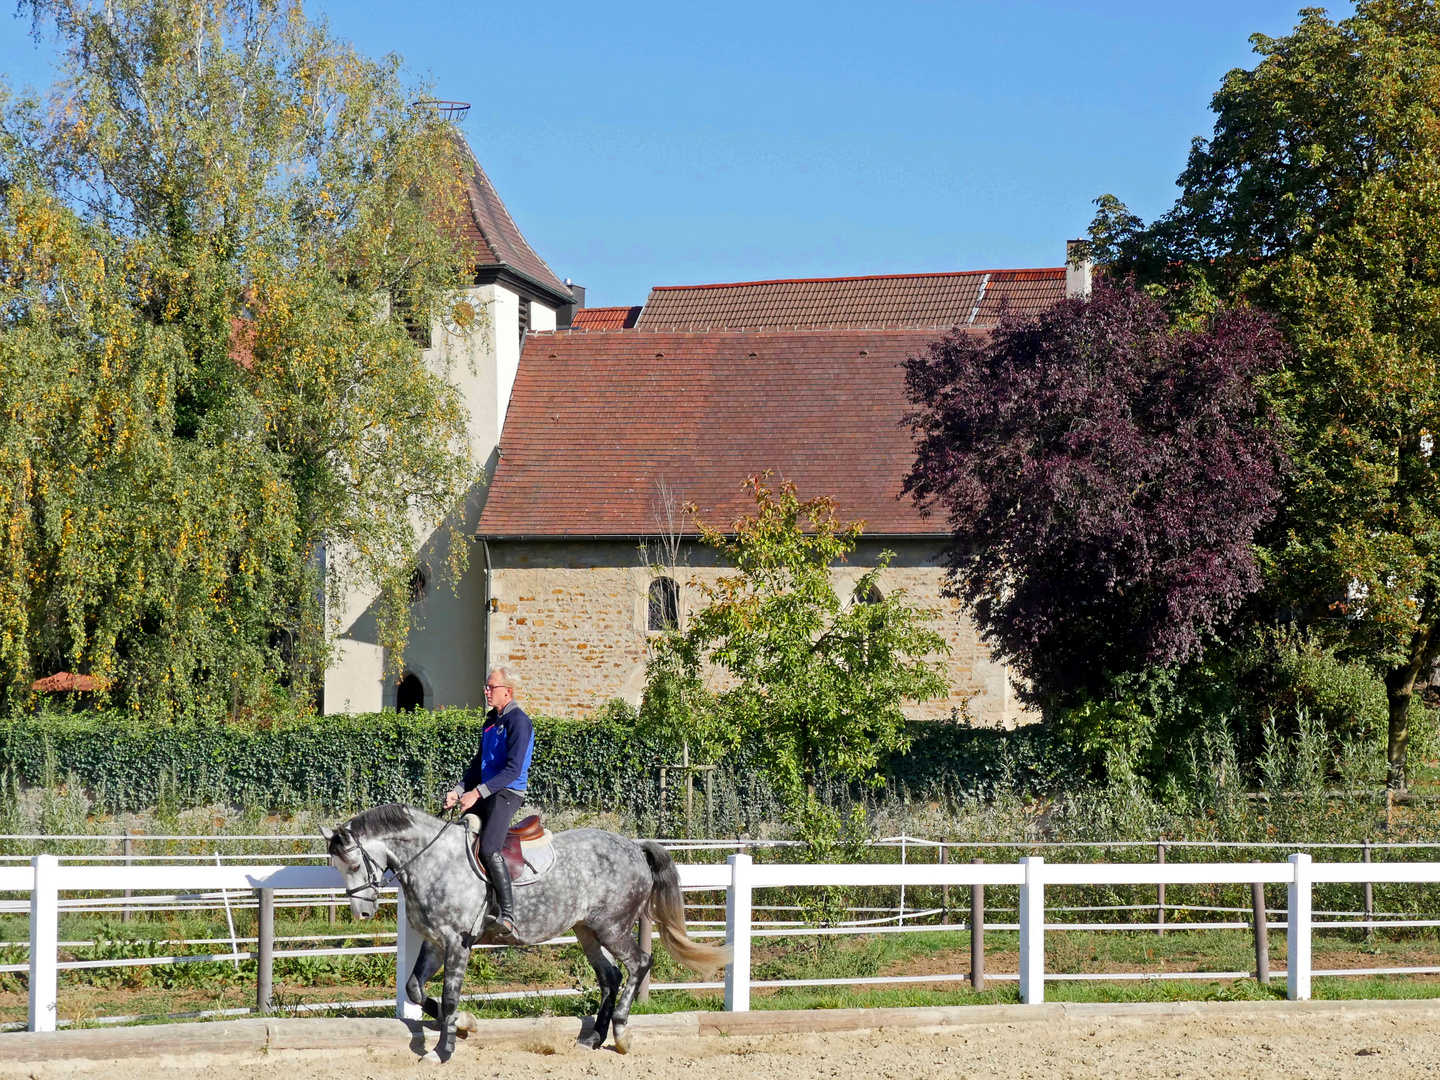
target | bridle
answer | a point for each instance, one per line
(375, 875)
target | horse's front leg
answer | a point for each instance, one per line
(426, 965)
(457, 959)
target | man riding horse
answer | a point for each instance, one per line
(493, 787)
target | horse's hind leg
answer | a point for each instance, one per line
(426, 965)
(627, 950)
(608, 976)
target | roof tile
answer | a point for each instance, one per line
(597, 420)
(605, 318)
(894, 301)
(492, 233)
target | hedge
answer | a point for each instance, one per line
(344, 762)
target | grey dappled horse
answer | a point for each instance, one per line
(599, 885)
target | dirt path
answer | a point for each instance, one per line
(1388, 1044)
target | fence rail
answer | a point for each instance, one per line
(739, 878)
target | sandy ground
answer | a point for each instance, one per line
(1388, 1044)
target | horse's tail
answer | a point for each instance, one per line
(667, 907)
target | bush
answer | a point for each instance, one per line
(346, 762)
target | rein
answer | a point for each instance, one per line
(374, 875)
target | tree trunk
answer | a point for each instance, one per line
(1399, 688)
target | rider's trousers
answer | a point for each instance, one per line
(494, 812)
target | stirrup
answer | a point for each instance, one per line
(504, 927)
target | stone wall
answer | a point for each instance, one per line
(572, 616)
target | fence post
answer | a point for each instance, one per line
(265, 959)
(1297, 963)
(1369, 896)
(129, 851)
(44, 944)
(1160, 889)
(902, 884)
(1262, 933)
(977, 931)
(737, 934)
(646, 937)
(407, 952)
(1032, 931)
(943, 857)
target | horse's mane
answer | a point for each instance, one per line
(383, 820)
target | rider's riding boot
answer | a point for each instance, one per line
(504, 894)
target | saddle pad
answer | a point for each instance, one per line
(543, 840)
(539, 861)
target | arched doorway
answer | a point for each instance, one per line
(409, 695)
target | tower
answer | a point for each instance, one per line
(515, 291)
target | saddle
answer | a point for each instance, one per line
(526, 851)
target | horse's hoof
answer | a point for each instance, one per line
(432, 1058)
(587, 1043)
(622, 1043)
(465, 1023)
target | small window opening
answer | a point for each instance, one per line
(418, 583)
(869, 595)
(409, 695)
(664, 604)
(417, 324)
(524, 320)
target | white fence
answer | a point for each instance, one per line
(47, 877)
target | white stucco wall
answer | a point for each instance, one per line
(445, 647)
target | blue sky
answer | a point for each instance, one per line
(673, 143)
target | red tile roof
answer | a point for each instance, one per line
(596, 419)
(65, 682)
(493, 235)
(605, 318)
(969, 298)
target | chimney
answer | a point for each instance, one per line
(566, 315)
(1078, 268)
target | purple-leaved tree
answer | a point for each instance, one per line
(1103, 474)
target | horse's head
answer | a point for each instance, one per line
(361, 872)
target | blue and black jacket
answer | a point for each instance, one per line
(506, 746)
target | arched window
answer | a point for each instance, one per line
(409, 695)
(871, 595)
(664, 604)
(418, 582)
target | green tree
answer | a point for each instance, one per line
(1318, 198)
(211, 236)
(778, 658)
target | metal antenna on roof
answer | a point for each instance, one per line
(452, 111)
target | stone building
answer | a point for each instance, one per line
(598, 424)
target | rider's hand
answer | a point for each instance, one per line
(469, 799)
(451, 799)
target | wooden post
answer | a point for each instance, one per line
(944, 857)
(977, 931)
(660, 824)
(129, 851)
(646, 938)
(709, 803)
(689, 791)
(1160, 889)
(332, 914)
(1262, 933)
(1369, 892)
(264, 975)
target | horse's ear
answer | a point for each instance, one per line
(328, 834)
